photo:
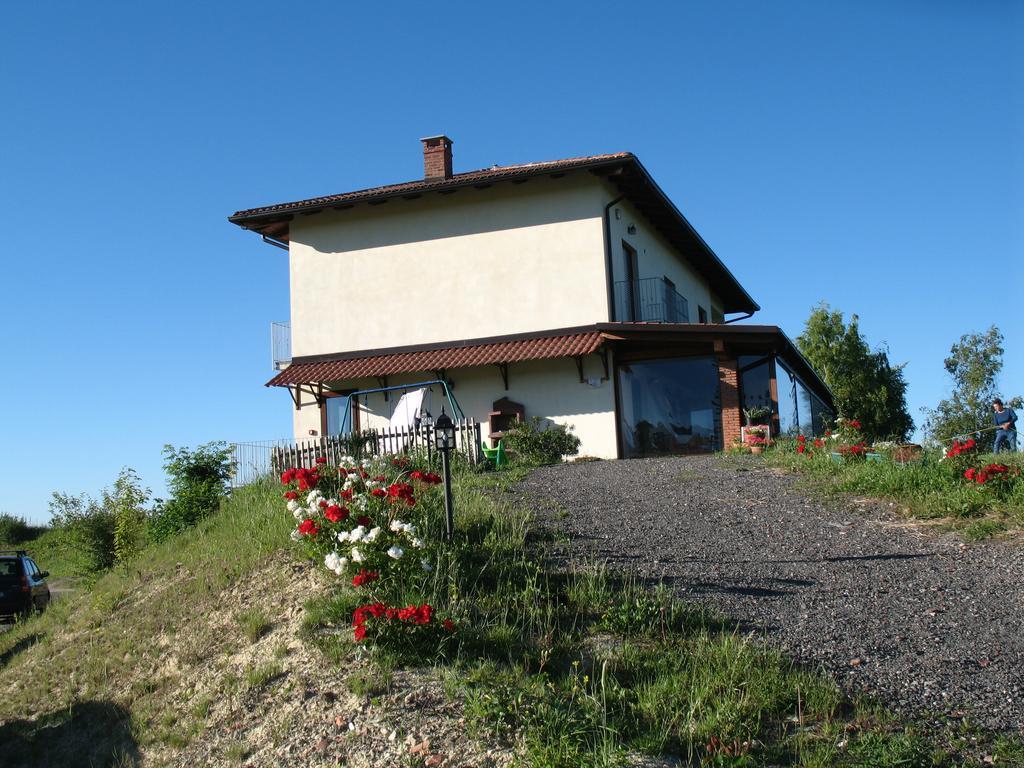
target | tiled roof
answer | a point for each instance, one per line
(440, 358)
(496, 173)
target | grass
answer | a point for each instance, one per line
(928, 489)
(254, 623)
(586, 669)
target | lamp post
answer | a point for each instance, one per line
(444, 440)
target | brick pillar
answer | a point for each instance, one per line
(729, 391)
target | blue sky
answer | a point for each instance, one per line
(867, 154)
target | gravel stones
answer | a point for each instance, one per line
(930, 625)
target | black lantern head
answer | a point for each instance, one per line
(444, 432)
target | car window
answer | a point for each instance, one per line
(33, 568)
(10, 567)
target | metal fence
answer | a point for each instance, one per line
(281, 344)
(651, 300)
(254, 460)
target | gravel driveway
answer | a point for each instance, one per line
(929, 624)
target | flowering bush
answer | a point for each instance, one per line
(998, 478)
(375, 621)
(805, 450)
(360, 517)
(855, 451)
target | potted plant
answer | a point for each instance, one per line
(757, 438)
(757, 415)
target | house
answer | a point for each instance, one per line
(573, 290)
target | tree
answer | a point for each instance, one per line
(197, 480)
(974, 363)
(865, 385)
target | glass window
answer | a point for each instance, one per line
(670, 406)
(755, 381)
(804, 409)
(786, 385)
(821, 416)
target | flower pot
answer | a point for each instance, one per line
(756, 449)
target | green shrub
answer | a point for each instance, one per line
(15, 530)
(534, 443)
(87, 526)
(197, 481)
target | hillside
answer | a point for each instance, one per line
(225, 646)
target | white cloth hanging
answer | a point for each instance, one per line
(407, 409)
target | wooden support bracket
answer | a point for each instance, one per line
(579, 367)
(503, 369)
(603, 354)
(382, 382)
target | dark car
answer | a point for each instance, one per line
(23, 586)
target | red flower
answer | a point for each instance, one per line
(801, 439)
(287, 476)
(334, 513)
(364, 521)
(969, 474)
(342, 471)
(323, 504)
(347, 495)
(360, 633)
(364, 577)
(854, 423)
(380, 493)
(447, 624)
(432, 477)
(801, 448)
(308, 478)
(416, 475)
(291, 495)
(321, 460)
(818, 442)
(308, 528)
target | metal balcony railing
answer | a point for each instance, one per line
(281, 345)
(651, 300)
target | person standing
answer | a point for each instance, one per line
(1006, 426)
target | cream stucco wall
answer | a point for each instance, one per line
(476, 263)
(656, 258)
(550, 389)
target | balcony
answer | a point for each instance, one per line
(281, 345)
(651, 300)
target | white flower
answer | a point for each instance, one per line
(313, 497)
(357, 556)
(372, 535)
(426, 565)
(418, 543)
(395, 552)
(397, 526)
(293, 505)
(295, 535)
(357, 534)
(342, 536)
(336, 563)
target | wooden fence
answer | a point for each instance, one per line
(256, 459)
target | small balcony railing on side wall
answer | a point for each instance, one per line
(650, 300)
(281, 345)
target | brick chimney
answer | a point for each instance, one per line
(437, 157)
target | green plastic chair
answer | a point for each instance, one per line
(497, 455)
